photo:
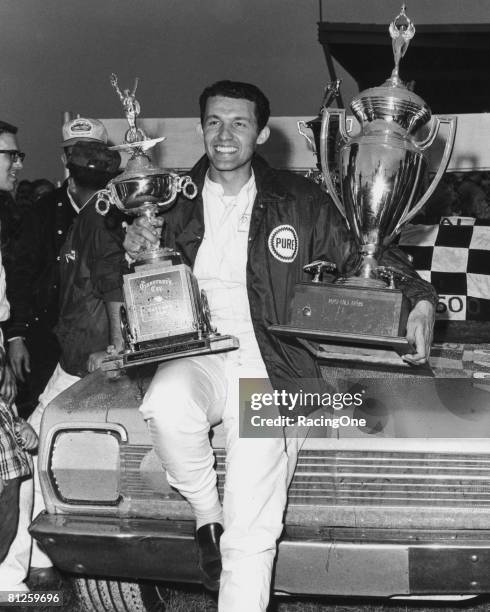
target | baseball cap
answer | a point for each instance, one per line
(83, 129)
(94, 156)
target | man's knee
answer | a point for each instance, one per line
(178, 391)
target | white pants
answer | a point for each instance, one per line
(185, 398)
(24, 551)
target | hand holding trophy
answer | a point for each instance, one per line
(165, 316)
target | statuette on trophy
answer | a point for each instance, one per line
(401, 31)
(131, 108)
(379, 186)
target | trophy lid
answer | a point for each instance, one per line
(393, 101)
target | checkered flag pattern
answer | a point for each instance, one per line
(455, 257)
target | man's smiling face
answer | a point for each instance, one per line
(8, 168)
(231, 133)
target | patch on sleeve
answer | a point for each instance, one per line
(283, 243)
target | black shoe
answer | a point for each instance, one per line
(43, 576)
(207, 538)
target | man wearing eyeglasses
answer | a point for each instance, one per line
(10, 157)
(10, 165)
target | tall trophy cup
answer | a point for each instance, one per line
(165, 316)
(362, 316)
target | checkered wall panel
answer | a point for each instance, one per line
(455, 257)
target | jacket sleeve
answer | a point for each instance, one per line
(22, 273)
(332, 241)
(108, 261)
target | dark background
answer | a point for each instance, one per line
(56, 55)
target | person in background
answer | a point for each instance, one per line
(40, 188)
(23, 193)
(16, 436)
(80, 320)
(33, 279)
(11, 163)
(473, 200)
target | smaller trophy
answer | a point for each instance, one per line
(378, 186)
(165, 316)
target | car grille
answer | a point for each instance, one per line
(364, 478)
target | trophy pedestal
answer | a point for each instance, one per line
(352, 323)
(177, 347)
(165, 317)
(162, 300)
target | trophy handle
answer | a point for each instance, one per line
(451, 122)
(301, 126)
(326, 115)
(391, 275)
(318, 267)
(103, 202)
(187, 187)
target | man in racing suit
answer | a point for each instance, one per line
(247, 236)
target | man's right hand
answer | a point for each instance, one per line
(142, 235)
(19, 358)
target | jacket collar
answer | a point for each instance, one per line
(267, 179)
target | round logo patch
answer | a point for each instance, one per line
(283, 243)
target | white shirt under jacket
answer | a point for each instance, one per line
(220, 268)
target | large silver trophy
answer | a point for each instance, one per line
(165, 316)
(381, 185)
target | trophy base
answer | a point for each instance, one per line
(349, 322)
(359, 348)
(350, 309)
(155, 352)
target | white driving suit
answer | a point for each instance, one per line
(188, 396)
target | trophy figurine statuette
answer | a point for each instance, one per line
(381, 172)
(165, 316)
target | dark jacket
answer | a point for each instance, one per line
(91, 266)
(33, 277)
(283, 199)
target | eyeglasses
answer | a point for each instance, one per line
(15, 155)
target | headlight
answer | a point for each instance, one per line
(84, 466)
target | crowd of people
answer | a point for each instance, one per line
(459, 194)
(64, 284)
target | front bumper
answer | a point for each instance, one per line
(311, 560)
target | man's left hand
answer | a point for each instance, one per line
(420, 328)
(95, 360)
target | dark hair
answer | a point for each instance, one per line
(237, 90)
(7, 127)
(88, 178)
(42, 182)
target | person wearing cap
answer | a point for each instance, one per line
(80, 323)
(33, 290)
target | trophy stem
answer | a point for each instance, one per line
(366, 272)
(157, 253)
